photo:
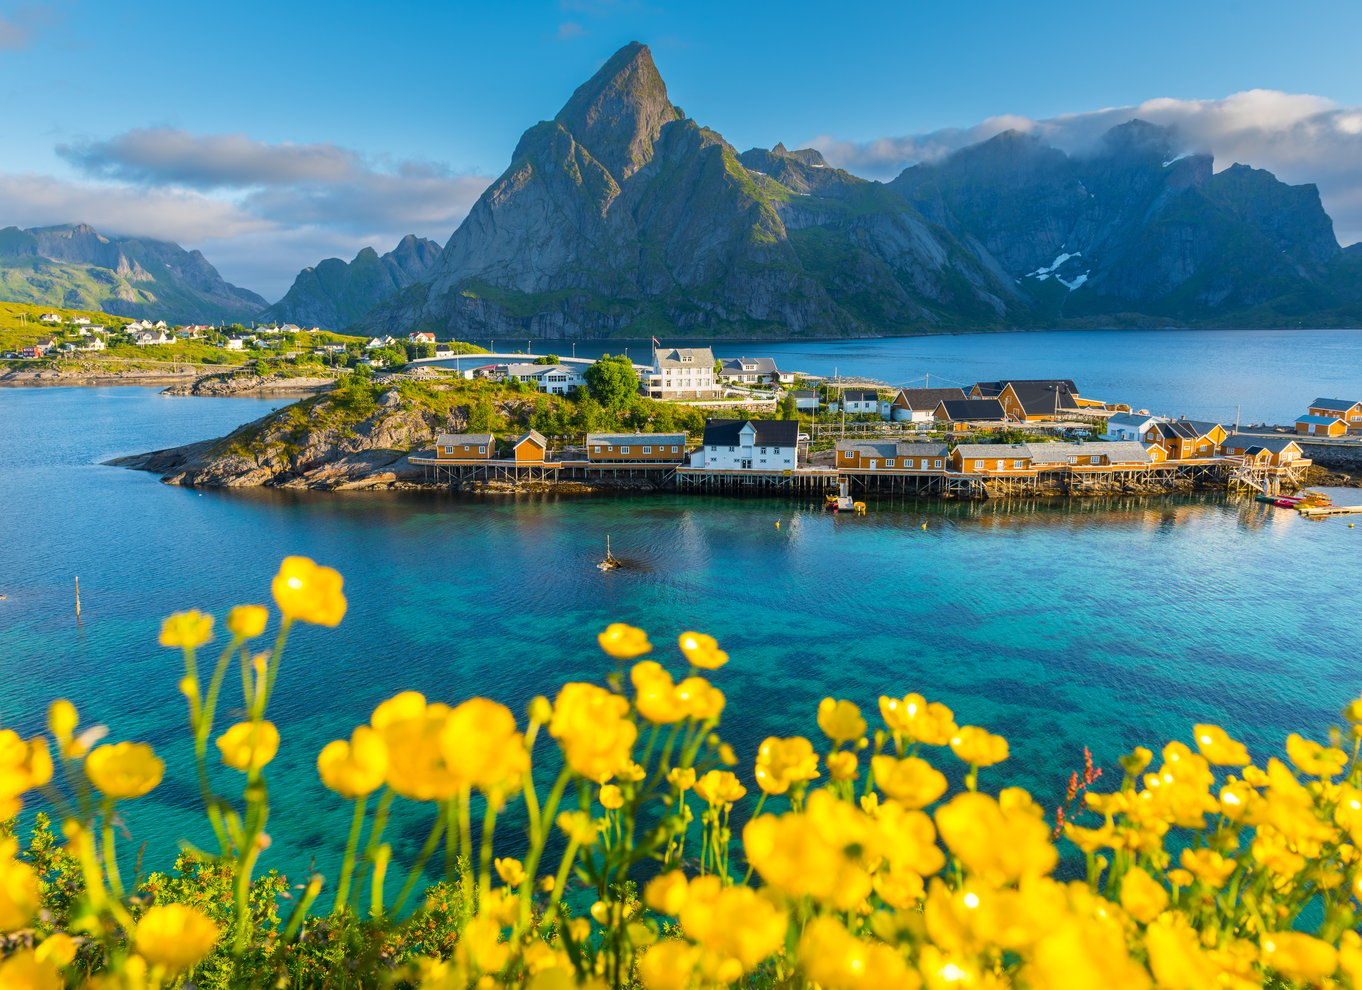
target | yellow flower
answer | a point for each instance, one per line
(124, 770)
(782, 762)
(912, 782)
(833, 958)
(624, 642)
(1208, 866)
(578, 826)
(62, 720)
(1312, 758)
(511, 871)
(481, 745)
(737, 926)
(996, 843)
(1299, 957)
(175, 936)
(701, 700)
(611, 797)
(840, 720)
(1136, 760)
(979, 747)
(249, 745)
(666, 892)
(247, 621)
(24, 970)
(913, 718)
(1142, 896)
(702, 651)
(355, 768)
(19, 895)
(842, 765)
(23, 766)
(413, 732)
(189, 630)
(682, 778)
(668, 965)
(909, 840)
(305, 591)
(1218, 748)
(58, 949)
(655, 693)
(589, 724)
(822, 852)
(1177, 958)
(719, 787)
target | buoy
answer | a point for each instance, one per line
(1350, 525)
(777, 524)
(924, 525)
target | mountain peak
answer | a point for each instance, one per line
(618, 113)
(1140, 137)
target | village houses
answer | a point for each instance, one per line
(748, 445)
(1331, 418)
(681, 373)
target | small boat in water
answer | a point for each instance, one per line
(611, 562)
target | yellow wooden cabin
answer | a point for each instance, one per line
(465, 446)
(530, 448)
(636, 448)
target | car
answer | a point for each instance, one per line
(803, 438)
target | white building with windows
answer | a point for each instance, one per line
(749, 445)
(682, 373)
(560, 379)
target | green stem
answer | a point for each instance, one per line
(348, 864)
(111, 852)
(489, 824)
(538, 838)
(418, 866)
(272, 670)
(304, 905)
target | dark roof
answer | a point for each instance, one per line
(749, 366)
(959, 410)
(770, 432)
(1248, 443)
(1188, 429)
(927, 398)
(861, 395)
(805, 393)
(1341, 405)
(1040, 397)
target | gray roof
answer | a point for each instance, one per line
(994, 450)
(973, 409)
(893, 448)
(532, 435)
(749, 366)
(805, 393)
(1113, 450)
(1188, 429)
(1130, 419)
(472, 439)
(617, 439)
(671, 357)
(1245, 442)
(1340, 405)
(927, 398)
(861, 395)
(569, 369)
(525, 369)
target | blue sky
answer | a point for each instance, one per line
(403, 112)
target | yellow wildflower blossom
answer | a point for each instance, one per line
(1313, 759)
(611, 797)
(1299, 957)
(589, 724)
(1000, 845)
(481, 745)
(702, 651)
(912, 782)
(914, 718)
(247, 621)
(355, 768)
(682, 778)
(1218, 748)
(511, 871)
(978, 747)
(308, 592)
(413, 735)
(840, 720)
(623, 642)
(719, 787)
(124, 770)
(1142, 896)
(175, 936)
(188, 630)
(782, 762)
(1208, 866)
(249, 745)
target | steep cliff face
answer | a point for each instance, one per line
(334, 294)
(79, 268)
(1134, 230)
(622, 217)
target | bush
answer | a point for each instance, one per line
(857, 867)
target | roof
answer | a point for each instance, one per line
(1319, 419)
(1038, 397)
(978, 409)
(861, 395)
(672, 357)
(769, 432)
(525, 369)
(805, 393)
(560, 368)
(986, 450)
(1131, 419)
(471, 439)
(534, 435)
(893, 448)
(617, 439)
(1187, 429)
(749, 366)
(1342, 405)
(1246, 442)
(1113, 450)
(927, 398)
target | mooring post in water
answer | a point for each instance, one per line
(77, 597)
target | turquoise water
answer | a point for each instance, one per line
(1062, 624)
(1264, 375)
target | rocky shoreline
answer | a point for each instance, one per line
(236, 384)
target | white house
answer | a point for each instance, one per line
(682, 373)
(1129, 426)
(749, 445)
(419, 337)
(859, 401)
(235, 343)
(49, 318)
(93, 344)
(752, 371)
(376, 342)
(80, 321)
(560, 379)
(806, 400)
(149, 337)
(916, 405)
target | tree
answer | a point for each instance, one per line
(548, 359)
(789, 409)
(612, 381)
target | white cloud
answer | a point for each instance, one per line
(569, 30)
(1299, 137)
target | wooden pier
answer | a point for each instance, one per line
(1329, 510)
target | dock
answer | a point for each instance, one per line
(1329, 510)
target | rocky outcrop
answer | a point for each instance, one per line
(231, 383)
(79, 268)
(333, 294)
(623, 217)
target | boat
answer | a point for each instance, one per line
(611, 562)
(841, 502)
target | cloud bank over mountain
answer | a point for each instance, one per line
(1297, 136)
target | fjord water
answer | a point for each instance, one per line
(1061, 624)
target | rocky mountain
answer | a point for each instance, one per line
(79, 268)
(621, 216)
(333, 294)
(1135, 231)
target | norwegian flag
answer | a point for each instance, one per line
(657, 342)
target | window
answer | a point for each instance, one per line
(715, 450)
(675, 451)
(732, 449)
(597, 448)
(978, 465)
(924, 463)
(647, 450)
(763, 450)
(889, 462)
(624, 450)
(1019, 464)
(482, 450)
